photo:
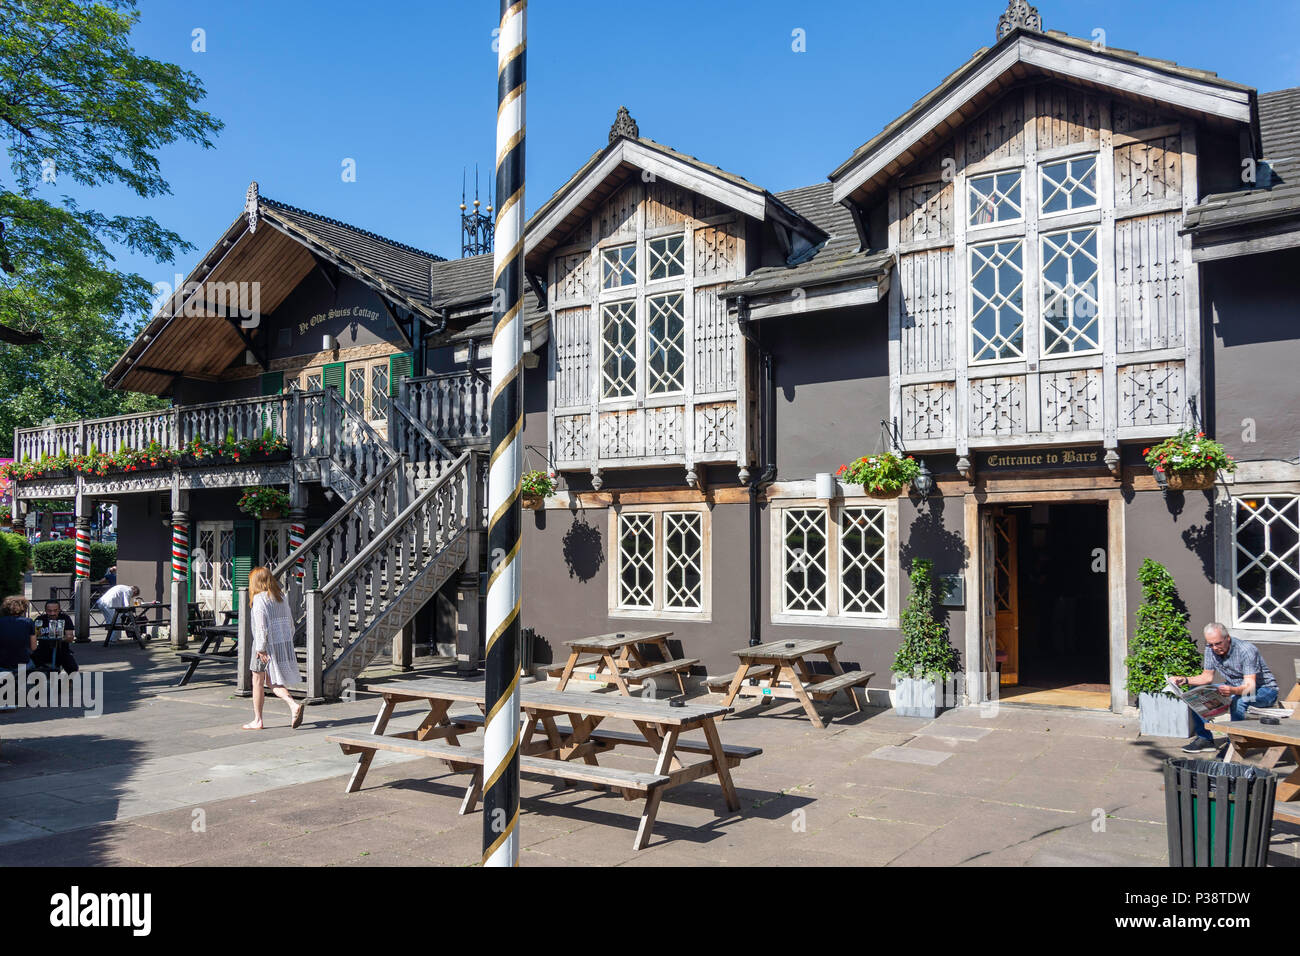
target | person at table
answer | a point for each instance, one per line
(274, 663)
(112, 600)
(1246, 680)
(43, 656)
(17, 633)
(110, 577)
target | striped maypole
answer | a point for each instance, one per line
(83, 547)
(297, 535)
(505, 589)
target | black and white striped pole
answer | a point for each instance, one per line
(505, 590)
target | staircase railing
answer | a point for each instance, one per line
(427, 456)
(355, 610)
(332, 545)
(453, 406)
(357, 450)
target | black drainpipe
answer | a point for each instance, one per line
(766, 471)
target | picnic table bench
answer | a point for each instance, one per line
(620, 659)
(210, 650)
(783, 662)
(133, 621)
(551, 750)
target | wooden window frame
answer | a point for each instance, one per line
(1042, 293)
(1019, 170)
(1046, 217)
(659, 611)
(1020, 243)
(833, 616)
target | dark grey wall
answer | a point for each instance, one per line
(832, 384)
(143, 545)
(1252, 367)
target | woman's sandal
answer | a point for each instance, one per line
(249, 726)
(297, 718)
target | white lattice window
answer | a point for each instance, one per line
(618, 267)
(662, 562)
(834, 564)
(862, 561)
(683, 554)
(636, 561)
(379, 392)
(1070, 296)
(357, 388)
(997, 288)
(1266, 561)
(311, 382)
(1069, 184)
(995, 198)
(666, 257)
(804, 569)
(618, 350)
(665, 344)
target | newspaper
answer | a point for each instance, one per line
(1278, 712)
(1205, 701)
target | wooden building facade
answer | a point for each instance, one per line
(1059, 256)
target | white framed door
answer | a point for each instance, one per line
(214, 577)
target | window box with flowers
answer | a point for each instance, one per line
(263, 502)
(1189, 462)
(537, 487)
(881, 476)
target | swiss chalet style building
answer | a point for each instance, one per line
(1058, 257)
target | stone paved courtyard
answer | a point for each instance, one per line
(1021, 787)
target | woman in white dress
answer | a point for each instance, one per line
(274, 663)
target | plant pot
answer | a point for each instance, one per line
(916, 698)
(1191, 480)
(884, 495)
(274, 514)
(533, 502)
(1163, 716)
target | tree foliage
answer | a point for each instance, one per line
(78, 104)
(1161, 646)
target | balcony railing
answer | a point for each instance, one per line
(454, 406)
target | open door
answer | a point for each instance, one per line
(1006, 596)
(988, 613)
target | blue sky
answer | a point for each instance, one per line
(407, 90)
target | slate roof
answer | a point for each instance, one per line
(1274, 197)
(400, 267)
(837, 259)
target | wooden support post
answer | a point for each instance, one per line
(179, 585)
(244, 678)
(315, 644)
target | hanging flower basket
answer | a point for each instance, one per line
(265, 503)
(537, 487)
(1189, 462)
(882, 476)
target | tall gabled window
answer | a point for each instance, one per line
(1067, 185)
(618, 350)
(1070, 295)
(665, 344)
(997, 307)
(666, 257)
(996, 198)
(618, 267)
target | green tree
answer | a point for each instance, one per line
(926, 651)
(78, 104)
(1161, 646)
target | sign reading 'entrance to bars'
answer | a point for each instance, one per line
(1042, 458)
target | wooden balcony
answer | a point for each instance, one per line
(323, 435)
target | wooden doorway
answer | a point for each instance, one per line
(1006, 596)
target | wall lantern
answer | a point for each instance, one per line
(328, 343)
(924, 481)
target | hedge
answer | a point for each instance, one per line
(15, 554)
(60, 557)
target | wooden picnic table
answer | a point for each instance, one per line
(620, 659)
(564, 752)
(210, 649)
(784, 662)
(1274, 740)
(133, 621)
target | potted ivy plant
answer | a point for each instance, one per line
(263, 502)
(1189, 461)
(1161, 647)
(926, 660)
(881, 476)
(537, 486)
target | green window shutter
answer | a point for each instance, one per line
(400, 366)
(332, 377)
(245, 552)
(272, 383)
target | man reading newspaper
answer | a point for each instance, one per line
(1247, 680)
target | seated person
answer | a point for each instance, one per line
(44, 653)
(118, 596)
(17, 633)
(1247, 680)
(110, 577)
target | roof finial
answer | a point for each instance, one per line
(1019, 15)
(624, 125)
(250, 206)
(462, 189)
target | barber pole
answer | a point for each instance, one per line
(501, 732)
(180, 551)
(83, 549)
(297, 534)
